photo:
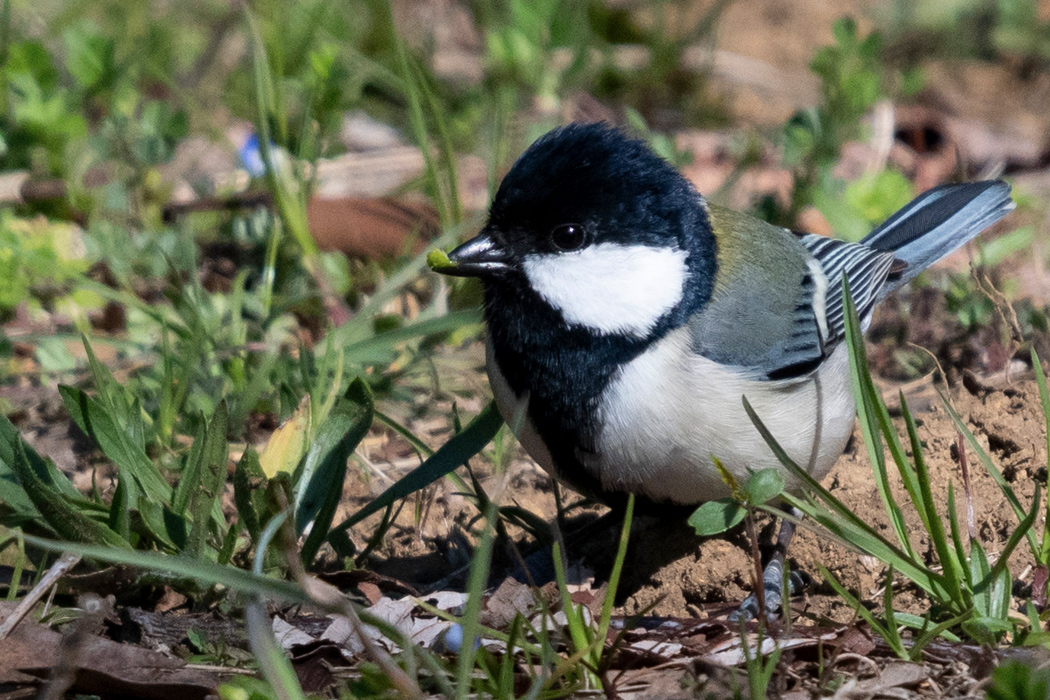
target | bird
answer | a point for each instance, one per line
(628, 318)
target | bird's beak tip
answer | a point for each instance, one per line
(481, 256)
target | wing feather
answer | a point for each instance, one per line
(779, 315)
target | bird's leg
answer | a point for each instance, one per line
(773, 578)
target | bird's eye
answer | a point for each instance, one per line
(568, 237)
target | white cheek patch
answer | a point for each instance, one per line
(611, 288)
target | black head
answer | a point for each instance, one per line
(581, 185)
(596, 177)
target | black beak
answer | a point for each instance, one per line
(481, 256)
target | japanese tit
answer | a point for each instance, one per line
(627, 316)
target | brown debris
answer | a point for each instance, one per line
(97, 665)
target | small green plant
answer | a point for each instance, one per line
(968, 593)
(41, 265)
(664, 88)
(853, 79)
(588, 639)
(37, 111)
(1021, 31)
(717, 516)
(217, 652)
(1014, 680)
(1011, 32)
(145, 511)
(759, 666)
(519, 38)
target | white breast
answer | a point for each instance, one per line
(669, 411)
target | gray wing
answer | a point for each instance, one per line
(777, 315)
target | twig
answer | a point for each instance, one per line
(883, 127)
(756, 559)
(960, 448)
(57, 571)
(1006, 313)
(937, 364)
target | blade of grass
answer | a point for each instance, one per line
(583, 641)
(274, 665)
(956, 533)
(324, 470)
(450, 456)
(860, 378)
(840, 521)
(614, 577)
(1044, 400)
(952, 566)
(204, 572)
(191, 471)
(404, 432)
(892, 637)
(476, 582)
(1022, 530)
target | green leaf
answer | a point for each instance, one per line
(125, 411)
(868, 404)
(89, 56)
(167, 527)
(213, 458)
(42, 468)
(986, 630)
(115, 443)
(286, 446)
(452, 455)
(67, 520)
(379, 347)
(979, 569)
(953, 568)
(1043, 552)
(320, 485)
(715, 517)
(1014, 680)
(764, 486)
(876, 196)
(248, 479)
(120, 509)
(204, 572)
(191, 471)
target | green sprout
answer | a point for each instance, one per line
(438, 260)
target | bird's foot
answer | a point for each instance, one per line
(772, 588)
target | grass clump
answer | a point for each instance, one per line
(970, 596)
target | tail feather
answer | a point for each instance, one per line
(936, 223)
